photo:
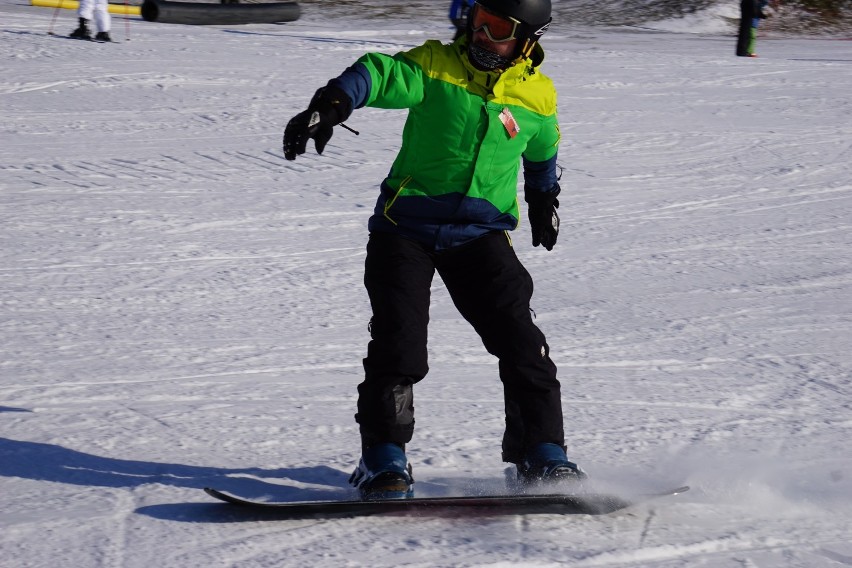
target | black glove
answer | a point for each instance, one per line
(542, 213)
(329, 107)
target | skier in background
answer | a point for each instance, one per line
(755, 22)
(98, 10)
(459, 10)
(478, 109)
(751, 12)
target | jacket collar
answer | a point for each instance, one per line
(517, 72)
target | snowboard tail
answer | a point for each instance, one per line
(556, 503)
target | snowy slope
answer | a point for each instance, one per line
(182, 307)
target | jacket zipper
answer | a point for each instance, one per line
(390, 202)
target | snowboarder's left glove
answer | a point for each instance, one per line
(329, 107)
(542, 213)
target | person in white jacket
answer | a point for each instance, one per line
(87, 10)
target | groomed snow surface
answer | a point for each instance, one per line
(181, 307)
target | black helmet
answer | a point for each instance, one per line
(531, 17)
(533, 13)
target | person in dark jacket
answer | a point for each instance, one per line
(459, 10)
(478, 109)
(751, 12)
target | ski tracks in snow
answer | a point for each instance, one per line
(182, 305)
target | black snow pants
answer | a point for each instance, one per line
(748, 11)
(492, 290)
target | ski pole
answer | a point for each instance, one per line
(126, 22)
(53, 20)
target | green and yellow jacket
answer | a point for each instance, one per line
(456, 175)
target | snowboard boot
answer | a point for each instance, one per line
(383, 473)
(82, 32)
(103, 36)
(548, 463)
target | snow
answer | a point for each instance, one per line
(181, 307)
(714, 19)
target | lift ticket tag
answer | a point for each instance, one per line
(509, 122)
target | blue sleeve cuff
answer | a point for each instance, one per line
(356, 83)
(541, 175)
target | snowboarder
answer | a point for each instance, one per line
(477, 109)
(86, 10)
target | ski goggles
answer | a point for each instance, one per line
(499, 29)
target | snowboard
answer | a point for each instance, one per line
(517, 504)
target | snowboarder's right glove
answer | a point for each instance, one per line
(329, 107)
(542, 213)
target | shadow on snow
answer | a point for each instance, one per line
(50, 462)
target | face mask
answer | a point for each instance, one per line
(485, 60)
